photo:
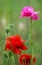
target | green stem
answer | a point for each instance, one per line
(15, 59)
(4, 59)
(31, 44)
(2, 54)
(2, 47)
(9, 58)
(30, 30)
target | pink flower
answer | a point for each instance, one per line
(27, 11)
(35, 16)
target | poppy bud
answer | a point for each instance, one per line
(7, 30)
(11, 25)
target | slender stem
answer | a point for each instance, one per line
(30, 31)
(31, 44)
(2, 52)
(2, 48)
(4, 61)
(9, 60)
(15, 58)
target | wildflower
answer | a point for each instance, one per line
(25, 59)
(35, 16)
(15, 44)
(27, 11)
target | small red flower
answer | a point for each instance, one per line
(15, 44)
(25, 59)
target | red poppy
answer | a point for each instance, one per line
(25, 59)
(15, 44)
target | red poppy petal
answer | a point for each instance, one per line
(17, 51)
(7, 47)
(7, 41)
(34, 59)
(24, 48)
(16, 38)
(27, 57)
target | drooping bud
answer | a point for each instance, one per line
(7, 30)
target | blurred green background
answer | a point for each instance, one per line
(9, 14)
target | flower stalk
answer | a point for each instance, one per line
(15, 58)
(31, 43)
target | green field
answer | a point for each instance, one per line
(9, 14)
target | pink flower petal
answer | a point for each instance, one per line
(27, 11)
(35, 16)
